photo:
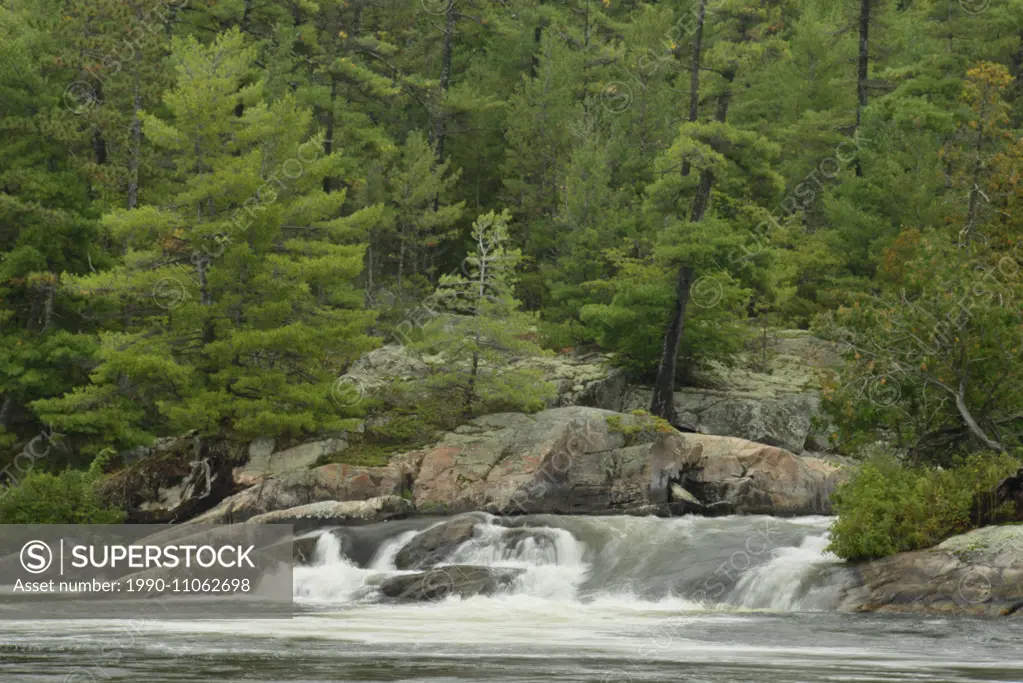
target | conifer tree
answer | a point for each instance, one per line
(241, 306)
(482, 329)
(47, 226)
(416, 184)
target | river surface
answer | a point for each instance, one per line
(602, 599)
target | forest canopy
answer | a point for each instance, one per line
(209, 209)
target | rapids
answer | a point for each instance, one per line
(690, 562)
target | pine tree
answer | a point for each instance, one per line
(416, 185)
(713, 149)
(47, 226)
(241, 307)
(482, 330)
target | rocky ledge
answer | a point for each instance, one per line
(978, 573)
(773, 402)
(590, 461)
(571, 460)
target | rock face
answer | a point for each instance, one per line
(172, 480)
(442, 582)
(264, 462)
(978, 573)
(334, 513)
(305, 486)
(436, 543)
(570, 460)
(774, 404)
(589, 461)
(580, 379)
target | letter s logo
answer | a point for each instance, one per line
(36, 557)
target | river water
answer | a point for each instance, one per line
(601, 599)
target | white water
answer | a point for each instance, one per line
(618, 559)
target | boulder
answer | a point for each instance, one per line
(978, 573)
(436, 543)
(442, 582)
(388, 363)
(304, 486)
(582, 379)
(580, 460)
(334, 513)
(739, 476)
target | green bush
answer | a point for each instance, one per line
(66, 498)
(888, 507)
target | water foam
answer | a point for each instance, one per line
(782, 582)
(645, 563)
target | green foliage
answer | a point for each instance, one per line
(640, 300)
(888, 507)
(643, 428)
(242, 317)
(47, 224)
(69, 497)
(101, 462)
(932, 354)
(482, 330)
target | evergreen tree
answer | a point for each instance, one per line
(416, 185)
(483, 329)
(239, 291)
(47, 226)
(936, 352)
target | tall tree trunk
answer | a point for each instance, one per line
(663, 403)
(135, 153)
(99, 147)
(470, 387)
(205, 298)
(51, 293)
(402, 239)
(534, 63)
(244, 26)
(973, 208)
(5, 411)
(694, 72)
(330, 184)
(136, 150)
(328, 140)
(440, 117)
(861, 71)
(702, 199)
(246, 22)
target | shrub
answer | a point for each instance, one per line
(66, 498)
(888, 507)
(644, 428)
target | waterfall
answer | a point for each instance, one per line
(739, 562)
